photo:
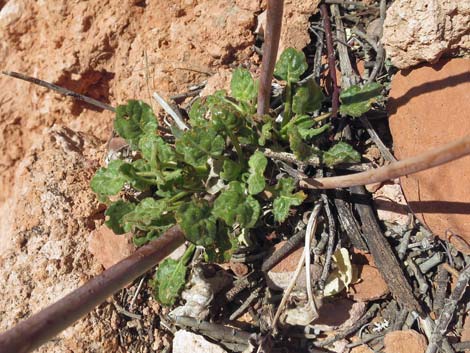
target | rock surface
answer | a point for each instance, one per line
(295, 22)
(44, 234)
(371, 285)
(97, 48)
(109, 248)
(408, 341)
(185, 342)
(428, 108)
(422, 31)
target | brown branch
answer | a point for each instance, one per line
(41, 327)
(331, 59)
(270, 47)
(435, 157)
(383, 255)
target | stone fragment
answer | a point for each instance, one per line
(391, 204)
(361, 349)
(185, 342)
(338, 314)
(408, 341)
(279, 277)
(109, 248)
(428, 108)
(422, 31)
(371, 285)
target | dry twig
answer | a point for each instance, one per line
(433, 158)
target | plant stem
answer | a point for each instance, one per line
(435, 157)
(236, 144)
(331, 59)
(288, 105)
(179, 196)
(270, 47)
(41, 327)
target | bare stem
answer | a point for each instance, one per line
(41, 327)
(270, 47)
(440, 155)
(59, 89)
(331, 59)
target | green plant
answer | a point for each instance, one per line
(213, 181)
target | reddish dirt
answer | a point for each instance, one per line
(429, 107)
(112, 51)
(44, 237)
(97, 48)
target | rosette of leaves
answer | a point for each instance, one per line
(173, 183)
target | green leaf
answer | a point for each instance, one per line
(301, 150)
(303, 124)
(223, 248)
(170, 278)
(257, 165)
(197, 222)
(266, 133)
(131, 170)
(149, 213)
(197, 113)
(234, 206)
(226, 118)
(155, 150)
(169, 281)
(134, 120)
(308, 98)
(115, 213)
(356, 100)
(286, 199)
(341, 153)
(199, 144)
(291, 65)
(142, 240)
(109, 181)
(243, 87)
(230, 170)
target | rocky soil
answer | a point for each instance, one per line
(51, 239)
(50, 145)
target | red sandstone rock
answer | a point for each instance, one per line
(430, 107)
(109, 248)
(408, 341)
(371, 285)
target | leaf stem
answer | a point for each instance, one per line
(187, 254)
(179, 196)
(236, 144)
(288, 105)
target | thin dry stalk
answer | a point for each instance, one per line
(41, 327)
(61, 90)
(301, 263)
(270, 47)
(435, 157)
